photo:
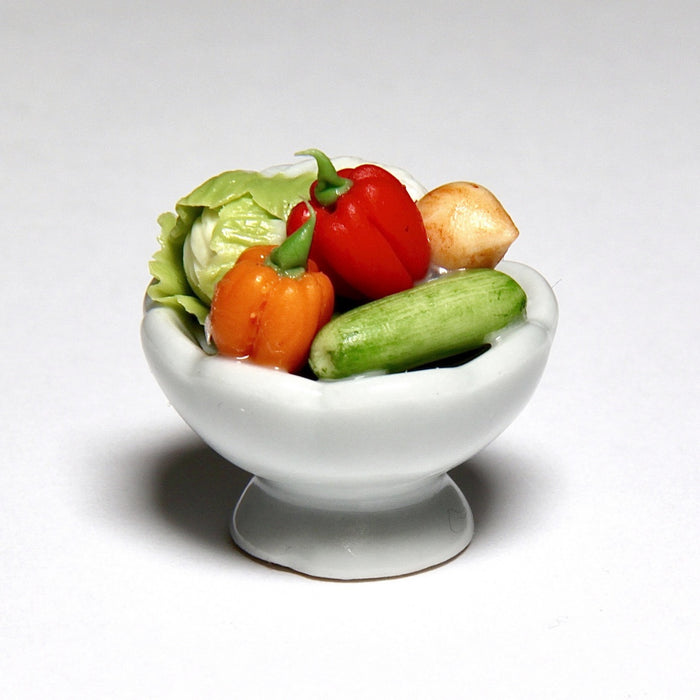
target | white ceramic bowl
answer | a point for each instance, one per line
(350, 476)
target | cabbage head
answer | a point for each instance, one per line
(212, 226)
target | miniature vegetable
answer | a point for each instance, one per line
(213, 225)
(446, 316)
(369, 238)
(466, 226)
(269, 306)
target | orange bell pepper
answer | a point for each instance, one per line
(269, 306)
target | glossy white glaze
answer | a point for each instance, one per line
(359, 444)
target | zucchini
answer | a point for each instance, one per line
(437, 319)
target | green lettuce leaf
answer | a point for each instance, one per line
(231, 212)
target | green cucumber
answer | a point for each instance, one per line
(437, 319)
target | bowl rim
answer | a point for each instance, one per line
(163, 327)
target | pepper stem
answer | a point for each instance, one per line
(329, 185)
(291, 256)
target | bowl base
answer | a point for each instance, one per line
(394, 533)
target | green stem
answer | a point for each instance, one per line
(329, 185)
(291, 256)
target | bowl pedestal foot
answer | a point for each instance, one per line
(351, 533)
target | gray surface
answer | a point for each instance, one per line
(118, 577)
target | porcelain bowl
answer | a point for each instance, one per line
(350, 476)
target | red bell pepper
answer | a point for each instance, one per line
(369, 236)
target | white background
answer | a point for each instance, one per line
(118, 578)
